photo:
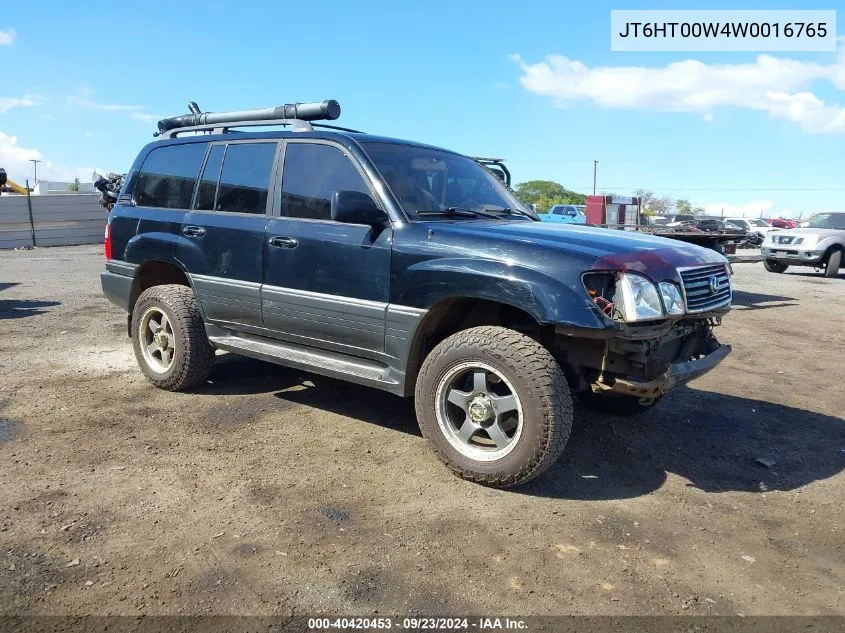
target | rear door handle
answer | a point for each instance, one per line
(283, 242)
(193, 231)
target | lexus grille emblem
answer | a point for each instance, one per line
(714, 284)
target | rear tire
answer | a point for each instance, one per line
(834, 260)
(495, 406)
(618, 404)
(168, 335)
(774, 267)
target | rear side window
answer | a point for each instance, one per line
(168, 176)
(245, 178)
(311, 176)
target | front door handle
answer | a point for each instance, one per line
(193, 231)
(283, 242)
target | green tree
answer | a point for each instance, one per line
(73, 186)
(683, 206)
(646, 198)
(546, 193)
(652, 204)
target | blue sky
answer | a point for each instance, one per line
(84, 84)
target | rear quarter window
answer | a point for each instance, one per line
(168, 175)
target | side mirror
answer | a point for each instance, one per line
(354, 207)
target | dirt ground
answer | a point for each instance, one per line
(271, 491)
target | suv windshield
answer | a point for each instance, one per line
(428, 181)
(758, 222)
(827, 221)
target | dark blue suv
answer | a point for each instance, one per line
(404, 267)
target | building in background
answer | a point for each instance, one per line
(53, 187)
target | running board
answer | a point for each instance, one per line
(332, 364)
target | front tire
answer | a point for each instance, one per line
(495, 406)
(168, 335)
(774, 267)
(834, 261)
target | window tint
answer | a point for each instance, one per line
(312, 174)
(168, 175)
(245, 177)
(208, 182)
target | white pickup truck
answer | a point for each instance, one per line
(819, 243)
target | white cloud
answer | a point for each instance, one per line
(108, 107)
(7, 38)
(15, 160)
(751, 209)
(708, 118)
(773, 85)
(146, 118)
(26, 101)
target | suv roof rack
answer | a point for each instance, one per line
(497, 166)
(297, 115)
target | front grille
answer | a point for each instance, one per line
(706, 288)
(783, 239)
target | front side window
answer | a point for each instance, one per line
(429, 181)
(168, 175)
(827, 221)
(312, 173)
(245, 178)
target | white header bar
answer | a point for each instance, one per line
(727, 30)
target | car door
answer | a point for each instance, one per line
(161, 192)
(569, 214)
(222, 241)
(326, 283)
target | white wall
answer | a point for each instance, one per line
(53, 187)
(60, 220)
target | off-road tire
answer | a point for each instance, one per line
(618, 404)
(834, 260)
(193, 355)
(774, 267)
(539, 383)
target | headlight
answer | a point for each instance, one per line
(673, 302)
(808, 240)
(637, 298)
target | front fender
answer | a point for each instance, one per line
(548, 299)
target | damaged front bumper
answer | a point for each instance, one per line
(677, 374)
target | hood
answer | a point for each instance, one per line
(808, 231)
(609, 249)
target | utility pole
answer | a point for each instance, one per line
(595, 165)
(35, 162)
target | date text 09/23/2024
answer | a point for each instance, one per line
(418, 624)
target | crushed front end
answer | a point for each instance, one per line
(658, 334)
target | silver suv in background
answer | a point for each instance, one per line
(819, 243)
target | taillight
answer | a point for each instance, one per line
(107, 241)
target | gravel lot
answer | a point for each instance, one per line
(270, 491)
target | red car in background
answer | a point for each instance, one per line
(780, 223)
